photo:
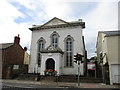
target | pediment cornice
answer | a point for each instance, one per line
(57, 23)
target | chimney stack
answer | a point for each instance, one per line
(25, 48)
(17, 39)
(80, 20)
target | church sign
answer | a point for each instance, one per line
(91, 66)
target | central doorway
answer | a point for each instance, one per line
(50, 64)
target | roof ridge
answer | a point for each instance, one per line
(111, 31)
(7, 43)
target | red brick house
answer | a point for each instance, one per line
(12, 58)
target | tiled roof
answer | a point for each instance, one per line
(111, 33)
(5, 45)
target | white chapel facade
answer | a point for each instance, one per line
(54, 45)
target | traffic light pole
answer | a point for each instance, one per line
(78, 58)
(78, 73)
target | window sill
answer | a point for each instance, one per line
(39, 66)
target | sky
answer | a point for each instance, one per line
(16, 16)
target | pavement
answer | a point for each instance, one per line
(62, 84)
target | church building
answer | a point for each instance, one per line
(54, 45)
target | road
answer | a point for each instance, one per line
(19, 86)
(25, 86)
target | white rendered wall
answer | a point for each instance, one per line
(113, 58)
(56, 57)
(76, 33)
(115, 74)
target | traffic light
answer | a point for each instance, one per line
(75, 57)
(75, 61)
(78, 57)
(82, 61)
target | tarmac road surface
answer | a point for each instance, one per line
(32, 85)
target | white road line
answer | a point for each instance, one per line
(18, 86)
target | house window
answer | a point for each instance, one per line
(41, 46)
(16, 67)
(69, 51)
(39, 59)
(54, 39)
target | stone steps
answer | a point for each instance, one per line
(63, 78)
(49, 78)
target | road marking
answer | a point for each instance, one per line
(16, 86)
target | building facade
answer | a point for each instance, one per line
(108, 49)
(12, 58)
(54, 45)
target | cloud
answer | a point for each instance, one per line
(8, 27)
(18, 15)
(29, 4)
(14, 13)
(51, 9)
(6, 14)
(43, 10)
(103, 18)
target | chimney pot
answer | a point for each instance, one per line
(17, 39)
(80, 20)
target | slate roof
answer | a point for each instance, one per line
(111, 33)
(5, 45)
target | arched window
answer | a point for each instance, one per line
(54, 39)
(41, 46)
(69, 51)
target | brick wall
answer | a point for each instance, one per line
(14, 55)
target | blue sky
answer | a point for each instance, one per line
(80, 9)
(19, 15)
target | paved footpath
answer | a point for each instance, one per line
(63, 84)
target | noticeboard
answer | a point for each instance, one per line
(91, 66)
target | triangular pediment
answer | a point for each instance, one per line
(55, 21)
(51, 49)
